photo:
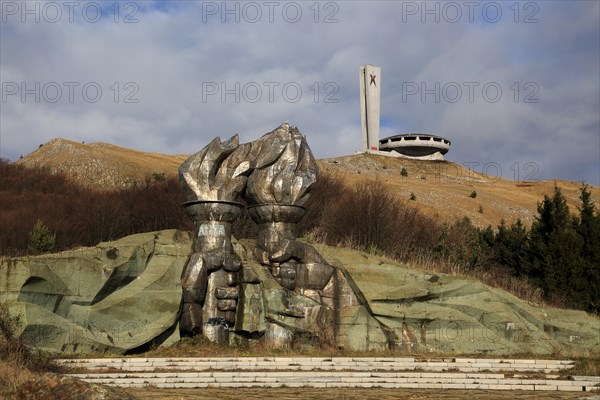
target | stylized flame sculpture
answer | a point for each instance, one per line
(212, 180)
(284, 175)
(275, 175)
(285, 170)
(218, 172)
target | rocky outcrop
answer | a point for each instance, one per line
(123, 296)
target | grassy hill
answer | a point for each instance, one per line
(101, 165)
(441, 188)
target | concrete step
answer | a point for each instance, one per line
(300, 364)
(392, 380)
(198, 372)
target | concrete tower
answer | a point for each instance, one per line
(370, 94)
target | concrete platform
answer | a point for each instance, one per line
(456, 373)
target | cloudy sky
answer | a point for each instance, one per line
(513, 85)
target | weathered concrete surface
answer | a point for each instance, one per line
(121, 296)
(336, 372)
(338, 314)
(114, 297)
(442, 313)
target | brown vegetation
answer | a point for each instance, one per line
(80, 216)
(368, 217)
(365, 214)
(18, 364)
(27, 374)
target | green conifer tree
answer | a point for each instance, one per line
(555, 248)
(586, 282)
(40, 239)
(511, 247)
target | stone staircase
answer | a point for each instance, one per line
(323, 372)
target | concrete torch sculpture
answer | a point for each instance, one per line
(274, 175)
(212, 179)
(277, 190)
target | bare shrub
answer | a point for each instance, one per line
(371, 216)
(497, 277)
(244, 227)
(367, 217)
(80, 216)
(329, 189)
(364, 215)
(17, 363)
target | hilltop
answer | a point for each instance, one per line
(101, 165)
(441, 188)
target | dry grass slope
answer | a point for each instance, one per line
(101, 165)
(442, 188)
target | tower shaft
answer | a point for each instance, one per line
(370, 94)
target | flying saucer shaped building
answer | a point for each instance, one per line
(416, 145)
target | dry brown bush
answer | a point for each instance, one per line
(18, 364)
(329, 187)
(81, 216)
(369, 217)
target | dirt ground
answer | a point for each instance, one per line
(350, 394)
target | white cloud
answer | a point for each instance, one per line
(179, 49)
